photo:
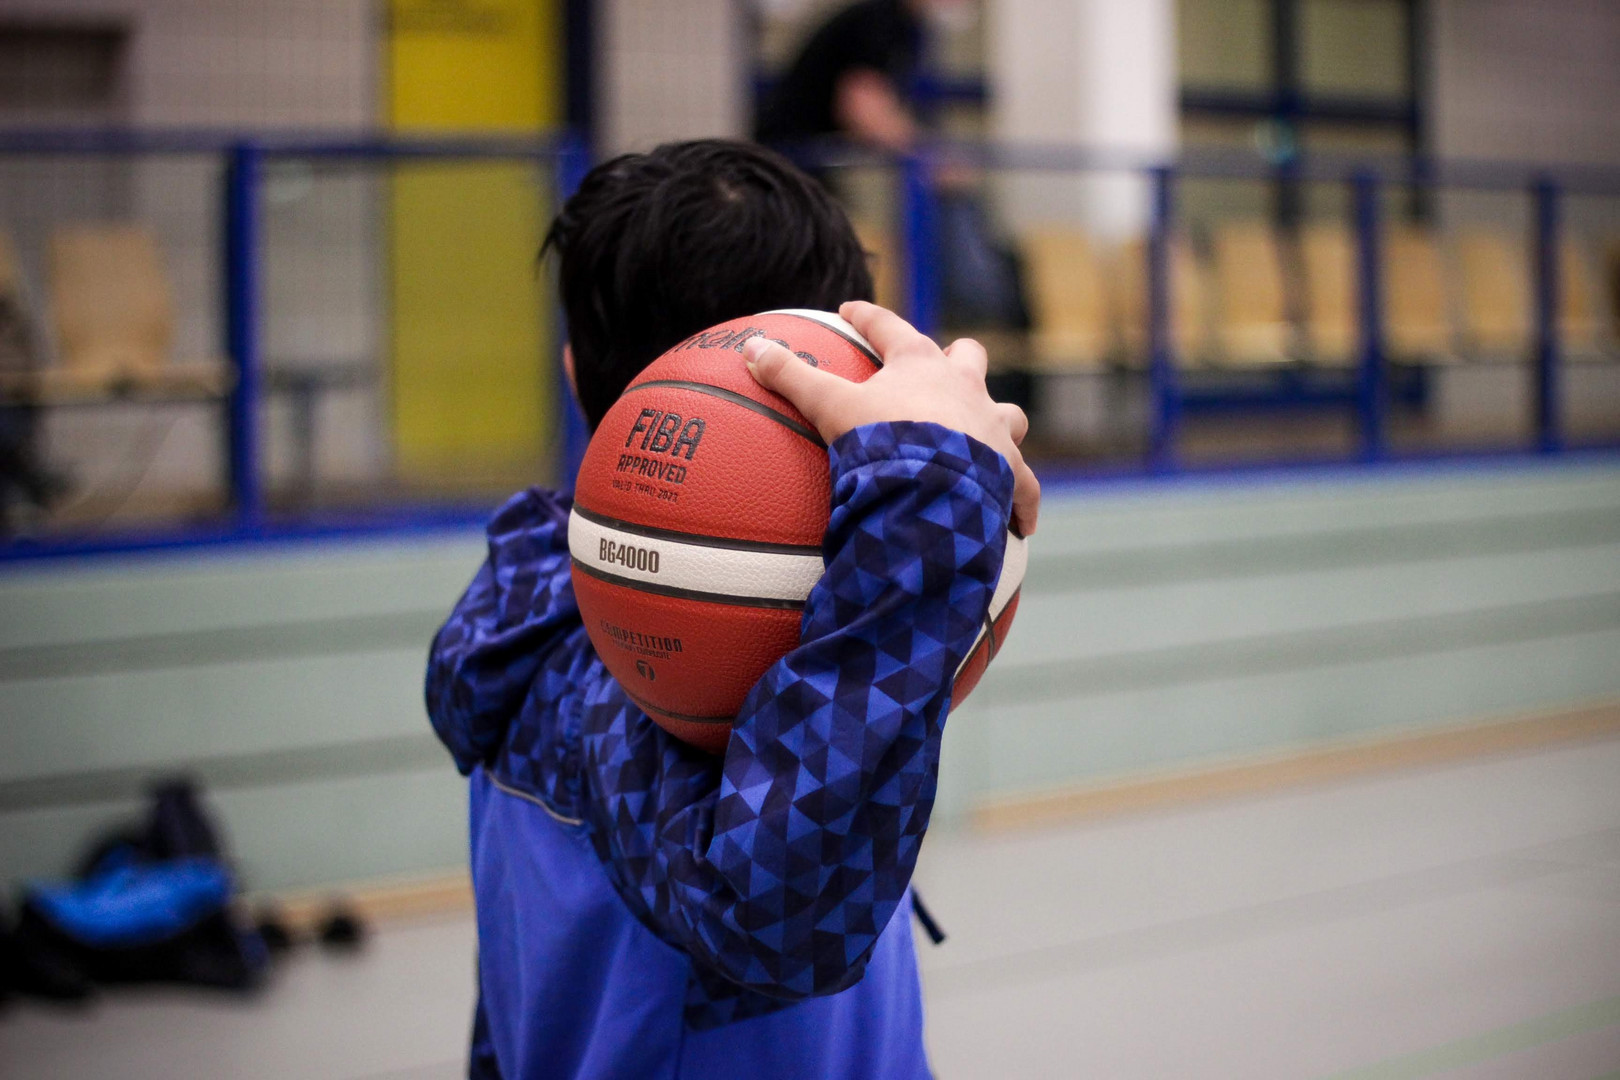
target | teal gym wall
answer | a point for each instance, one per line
(1162, 625)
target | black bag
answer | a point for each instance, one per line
(150, 904)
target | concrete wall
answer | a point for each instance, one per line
(1160, 626)
(1163, 628)
(214, 63)
(1508, 80)
(289, 679)
(677, 69)
(1527, 82)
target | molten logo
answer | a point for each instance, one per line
(645, 670)
(735, 339)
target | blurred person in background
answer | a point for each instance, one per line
(855, 77)
(852, 78)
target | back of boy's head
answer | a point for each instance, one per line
(656, 247)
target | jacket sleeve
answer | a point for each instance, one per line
(485, 657)
(779, 866)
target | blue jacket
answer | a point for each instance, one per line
(648, 910)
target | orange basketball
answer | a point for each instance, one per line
(697, 525)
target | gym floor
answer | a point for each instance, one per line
(1459, 921)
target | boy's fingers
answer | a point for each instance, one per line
(1017, 423)
(1026, 498)
(971, 351)
(888, 332)
(779, 371)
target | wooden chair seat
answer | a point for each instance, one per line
(114, 316)
(882, 260)
(1493, 275)
(1581, 308)
(1189, 302)
(85, 385)
(1067, 298)
(1332, 294)
(1252, 324)
(1417, 308)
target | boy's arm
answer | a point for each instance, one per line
(783, 878)
(782, 875)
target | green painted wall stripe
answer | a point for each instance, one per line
(1060, 626)
(88, 722)
(93, 600)
(403, 753)
(289, 640)
(1050, 581)
(1269, 556)
(1161, 626)
(1168, 517)
(1014, 749)
(1492, 1044)
(1073, 679)
(1079, 677)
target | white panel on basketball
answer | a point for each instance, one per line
(692, 565)
(835, 323)
(1013, 564)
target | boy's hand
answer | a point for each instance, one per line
(918, 381)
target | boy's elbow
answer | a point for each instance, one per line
(439, 687)
(816, 970)
(452, 709)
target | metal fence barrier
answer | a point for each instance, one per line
(1364, 390)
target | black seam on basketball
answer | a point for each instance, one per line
(979, 642)
(649, 708)
(866, 350)
(771, 602)
(990, 633)
(694, 539)
(995, 646)
(736, 399)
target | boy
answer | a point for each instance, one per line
(648, 910)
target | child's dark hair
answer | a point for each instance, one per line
(655, 247)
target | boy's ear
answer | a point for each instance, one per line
(568, 369)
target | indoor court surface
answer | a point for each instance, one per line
(1460, 921)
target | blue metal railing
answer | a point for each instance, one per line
(1167, 399)
(1367, 394)
(245, 159)
(243, 321)
(1549, 417)
(919, 242)
(1372, 395)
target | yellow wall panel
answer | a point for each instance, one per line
(485, 65)
(473, 358)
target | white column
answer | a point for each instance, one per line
(1092, 73)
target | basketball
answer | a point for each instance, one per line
(698, 519)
